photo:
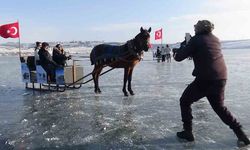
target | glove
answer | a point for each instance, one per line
(183, 44)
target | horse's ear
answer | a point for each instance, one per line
(141, 29)
(149, 30)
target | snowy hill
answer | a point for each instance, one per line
(238, 44)
(84, 48)
(72, 47)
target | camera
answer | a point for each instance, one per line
(187, 37)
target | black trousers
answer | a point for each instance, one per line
(213, 90)
(163, 58)
(50, 70)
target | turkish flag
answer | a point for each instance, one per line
(158, 34)
(9, 30)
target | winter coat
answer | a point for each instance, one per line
(59, 57)
(46, 59)
(205, 49)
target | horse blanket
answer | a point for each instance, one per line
(104, 52)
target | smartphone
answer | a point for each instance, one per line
(187, 37)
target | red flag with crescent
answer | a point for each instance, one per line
(10, 30)
(158, 34)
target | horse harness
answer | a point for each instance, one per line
(132, 50)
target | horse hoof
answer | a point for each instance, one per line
(125, 94)
(131, 92)
(97, 92)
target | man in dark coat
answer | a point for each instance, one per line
(47, 62)
(210, 79)
(158, 54)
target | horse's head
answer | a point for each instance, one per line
(143, 40)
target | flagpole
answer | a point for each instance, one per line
(161, 36)
(19, 47)
(19, 39)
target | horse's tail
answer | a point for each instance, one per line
(92, 56)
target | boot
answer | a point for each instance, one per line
(241, 135)
(187, 131)
(187, 135)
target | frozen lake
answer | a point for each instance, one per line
(80, 119)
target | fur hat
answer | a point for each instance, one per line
(203, 26)
(44, 44)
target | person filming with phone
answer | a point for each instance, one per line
(210, 73)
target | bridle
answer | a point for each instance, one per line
(134, 50)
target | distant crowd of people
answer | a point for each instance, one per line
(163, 53)
(50, 62)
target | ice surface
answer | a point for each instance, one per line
(80, 119)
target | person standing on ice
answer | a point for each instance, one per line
(168, 50)
(158, 54)
(210, 79)
(163, 54)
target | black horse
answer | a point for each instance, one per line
(125, 56)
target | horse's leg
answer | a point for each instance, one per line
(97, 78)
(125, 79)
(94, 73)
(129, 81)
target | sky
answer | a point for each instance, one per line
(120, 20)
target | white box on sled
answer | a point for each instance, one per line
(72, 74)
